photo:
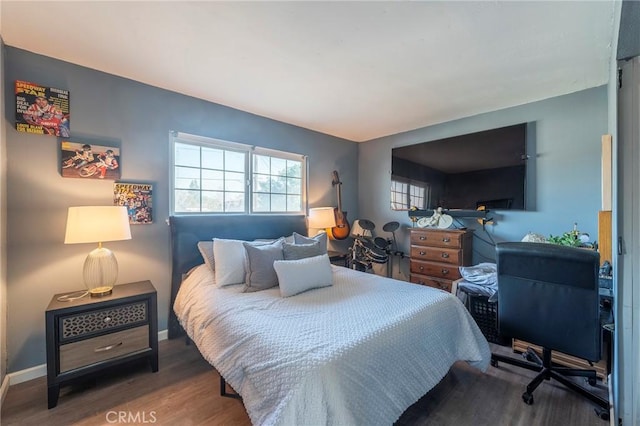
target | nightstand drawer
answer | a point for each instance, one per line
(437, 254)
(87, 323)
(97, 349)
(436, 270)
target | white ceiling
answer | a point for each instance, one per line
(357, 70)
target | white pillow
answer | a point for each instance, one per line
(297, 276)
(230, 261)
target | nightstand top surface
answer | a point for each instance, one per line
(120, 291)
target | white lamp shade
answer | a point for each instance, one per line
(97, 224)
(321, 218)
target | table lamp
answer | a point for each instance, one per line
(97, 224)
(321, 218)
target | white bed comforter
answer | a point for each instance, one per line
(357, 353)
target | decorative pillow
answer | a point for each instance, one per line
(301, 251)
(206, 250)
(297, 276)
(229, 261)
(321, 238)
(288, 239)
(260, 272)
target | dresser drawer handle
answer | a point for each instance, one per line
(422, 253)
(445, 255)
(445, 271)
(107, 319)
(107, 348)
(422, 268)
(446, 239)
(423, 238)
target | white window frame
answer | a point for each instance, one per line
(410, 183)
(250, 151)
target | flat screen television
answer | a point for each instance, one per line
(487, 169)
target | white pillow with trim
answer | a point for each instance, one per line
(297, 276)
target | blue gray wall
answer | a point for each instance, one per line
(138, 118)
(567, 167)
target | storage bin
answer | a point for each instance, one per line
(485, 314)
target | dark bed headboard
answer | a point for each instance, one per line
(186, 231)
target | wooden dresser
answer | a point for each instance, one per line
(436, 255)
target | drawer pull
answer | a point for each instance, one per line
(445, 271)
(422, 238)
(422, 268)
(107, 348)
(446, 239)
(445, 255)
(422, 253)
(107, 319)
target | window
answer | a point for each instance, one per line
(408, 193)
(214, 176)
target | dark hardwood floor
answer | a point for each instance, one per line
(185, 392)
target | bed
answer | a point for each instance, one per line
(360, 351)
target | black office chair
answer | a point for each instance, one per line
(548, 296)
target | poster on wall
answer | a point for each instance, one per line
(89, 161)
(42, 110)
(137, 198)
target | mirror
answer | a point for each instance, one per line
(485, 169)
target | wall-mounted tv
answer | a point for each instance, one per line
(490, 169)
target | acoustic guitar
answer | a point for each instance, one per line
(342, 228)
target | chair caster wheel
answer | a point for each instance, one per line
(602, 413)
(592, 381)
(527, 398)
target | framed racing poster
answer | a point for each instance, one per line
(137, 198)
(42, 110)
(89, 161)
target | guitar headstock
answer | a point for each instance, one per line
(336, 179)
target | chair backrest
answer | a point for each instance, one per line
(548, 295)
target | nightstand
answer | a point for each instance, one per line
(338, 258)
(88, 335)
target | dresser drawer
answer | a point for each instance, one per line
(90, 351)
(88, 323)
(436, 270)
(437, 254)
(431, 282)
(437, 239)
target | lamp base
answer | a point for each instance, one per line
(101, 291)
(100, 272)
